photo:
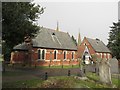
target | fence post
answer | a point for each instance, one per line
(68, 72)
(95, 69)
(84, 70)
(98, 71)
(46, 76)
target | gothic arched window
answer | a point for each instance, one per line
(43, 54)
(55, 55)
(72, 55)
(64, 55)
(39, 54)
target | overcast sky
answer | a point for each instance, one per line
(92, 19)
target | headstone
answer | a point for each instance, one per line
(114, 66)
(81, 74)
(104, 72)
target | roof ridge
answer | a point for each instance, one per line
(53, 30)
(90, 38)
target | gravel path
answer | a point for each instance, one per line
(37, 73)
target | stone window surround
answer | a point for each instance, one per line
(65, 55)
(41, 54)
(73, 53)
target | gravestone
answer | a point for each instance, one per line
(114, 66)
(104, 72)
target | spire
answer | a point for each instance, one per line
(79, 38)
(57, 26)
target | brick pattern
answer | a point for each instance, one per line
(81, 49)
(19, 56)
(56, 63)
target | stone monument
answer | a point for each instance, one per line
(104, 71)
(114, 66)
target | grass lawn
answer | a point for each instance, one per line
(22, 83)
(60, 82)
(95, 77)
(53, 82)
(64, 66)
(44, 67)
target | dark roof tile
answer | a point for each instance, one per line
(54, 39)
(48, 38)
(98, 45)
(22, 46)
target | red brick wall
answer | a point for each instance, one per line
(81, 48)
(55, 63)
(104, 55)
(19, 56)
(59, 55)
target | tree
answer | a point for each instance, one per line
(18, 20)
(74, 40)
(114, 40)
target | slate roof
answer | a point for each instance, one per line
(54, 39)
(98, 45)
(22, 46)
(48, 38)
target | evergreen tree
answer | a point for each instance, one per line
(18, 19)
(114, 40)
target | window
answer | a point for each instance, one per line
(55, 55)
(39, 54)
(43, 54)
(64, 55)
(72, 55)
